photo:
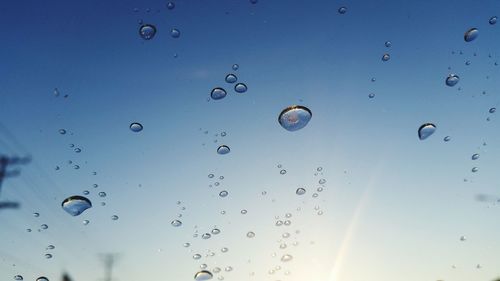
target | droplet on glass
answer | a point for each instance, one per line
(42, 278)
(136, 127)
(196, 256)
(474, 169)
(48, 256)
(78, 150)
(493, 20)
(223, 149)
(475, 156)
(114, 217)
(342, 10)
(235, 67)
(463, 238)
(36, 215)
(75, 205)
(386, 57)
(471, 34)
(215, 231)
(447, 138)
(203, 275)
(300, 191)
(223, 193)
(250, 234)
(294, 117)
(492, 110)
(452, 80)
(231, 78)
(240, 88)
(286, 258)
(18, 277)
(170, 5)
(371, 95)
(218, 93)
(426, 130)
(62, 131)
(147, 31)
(176, 223)
(388, 44)
(86, 222)
(282, 172)
(206, 236)
(175, 33)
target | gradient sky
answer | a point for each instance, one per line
(393, 207)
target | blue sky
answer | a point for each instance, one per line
(392, 206)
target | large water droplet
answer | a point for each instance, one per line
(218, 93)
(175, 33)
(294, 117)
(223, 149)
(147, 31)
(231, 78)
(203, 275)
(426, 130)
(471, 34)
(75, 205)
(136, 127)
(240, 88)
(452, 80)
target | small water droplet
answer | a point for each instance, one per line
(218, 93)
(300, 191)
(475, 156)
(388, 44)
(36, 215)
(196, 256)
(203, 275)
(371, 95)
(282, 172)
(86, 192)
(463, 238)
(235, 67)
(240, 88)
(86, 222)
(493, 20)
(294, 117)
(176, 223)
(215, 231)
(231, 78)
(471, 34)
(322, 181)
(250, 234)
(136, 127)
(447, 138)
(223, 149)
(243, 212)
(206, 236)
(18, 277)
(342, 10)
(170, 5)
(386, 57)
(175, 33)
(147, 31)
(286, 258)
(223, 193)
(102, 194)
(474, 169)
(78, 150)
(452, 80)
(492, 110)
(75, 205)
(426, 130)
(114, 217)
(62, 131)
(224, 250)
(48, 256)
(42, 278)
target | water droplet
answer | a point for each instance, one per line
(76, 167)
(186, 245)
(231, 78)
(294, 117)
(240, 88)
(388, 44)
(492, 110)
(62, 131)
(196, 256)
(386, 57)
(223, 193)
(136, 127)
(287, 222)
(28, 230)
(36, 215)
(175, 33)
(41, 278)
(463, 238)
(475, 169)
(254, 1)
(18, 277)
(342, 10)
(86, 192)
(215, 231)
(493, 20)
(426, 130)
(371, 95)
(322, 181)
(235, 67)
(223, 149)
(452, 80)
(206, 236)
(471, 34)
(203, 275)
(86, 222)
(216, 270)
(243, 212)
(147, 31)
(170, 5)
(75, 205)
(224, 250)
(48, 256)
(218, 93)
(475, 156)
(283, 172)
(447, 138)
(300, 191)
(279, 223)
(203, 265)
(250, 234)
(286, 258)
(176, 223)
(78, 150)
(114, 217)
(102, 194)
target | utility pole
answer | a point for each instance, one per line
(109, 261)
(4, 173)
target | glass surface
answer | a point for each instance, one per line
(168, 118)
